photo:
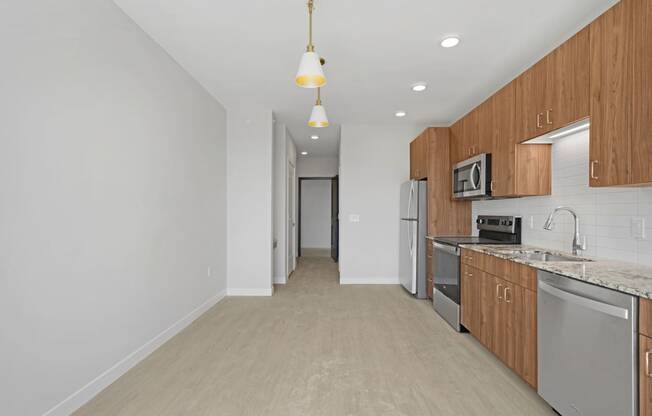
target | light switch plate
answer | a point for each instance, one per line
(354, 218)
(638, 228)
(531, 222)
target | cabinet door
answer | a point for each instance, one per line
(532, 98)
(504, 324)
(459, 151)
(568, 82)
(533, 169)
(413, 159)
(641, 55)
(488, 315)
(524, 335)
(419, 156)
(485, 127)
(471, 299)
(472, 133)
(467, 301)
(445, 215)
(503, 138)
(645, 375)
(611, 92)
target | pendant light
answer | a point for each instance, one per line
(310, 73)
(318, 116)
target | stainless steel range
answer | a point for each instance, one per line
(446, 261)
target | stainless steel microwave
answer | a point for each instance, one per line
(472, 178)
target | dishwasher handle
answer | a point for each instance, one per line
(589, 303)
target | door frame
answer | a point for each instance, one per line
(291, 219)
(309, 178)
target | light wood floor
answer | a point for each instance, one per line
(318, 348)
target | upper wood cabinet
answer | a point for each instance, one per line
(517, 170)
(555, 91)
(419, 157)
(446, 216)
(621, 103)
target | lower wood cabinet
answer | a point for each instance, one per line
(500, 313)
(645, 375)
(429, 282)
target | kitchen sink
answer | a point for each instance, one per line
(545, 256)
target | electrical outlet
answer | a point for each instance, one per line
(638, 228)
(354, 218)
(208, 271)
(531, 222)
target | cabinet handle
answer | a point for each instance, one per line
(470, 274)
(492, 186)
(647, 363)
(593, 163)
(498, 286)
(505, 295)
(539, 125)
(548, 118)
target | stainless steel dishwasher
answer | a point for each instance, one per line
(587, 348)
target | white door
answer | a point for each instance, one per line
(291, 225)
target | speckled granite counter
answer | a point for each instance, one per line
(624, 277)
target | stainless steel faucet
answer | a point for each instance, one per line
(576, 238)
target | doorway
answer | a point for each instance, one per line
(318, 216)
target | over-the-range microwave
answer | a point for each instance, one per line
(472, 178)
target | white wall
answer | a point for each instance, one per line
(316, 213)
(112, 189)
(374, 161)
(284, 153)
(249, 202)
(605, 213)
(317, 167)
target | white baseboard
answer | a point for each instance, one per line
(280, 280)
(90, 390)
(249, 292)
(369, 280)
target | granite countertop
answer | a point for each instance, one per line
(623, 277)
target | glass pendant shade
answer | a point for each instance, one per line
(318, 117)
(310, 73)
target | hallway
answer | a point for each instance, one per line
(318, 348)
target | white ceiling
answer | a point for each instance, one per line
(247, 52)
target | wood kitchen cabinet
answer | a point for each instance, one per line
(429, 281)
(644, 375)
(621, 103)
(469, 135)
(446, 216)
(419, 157)
(471, 293)
(645, 356)
(499, 305)
(517, 170)
(555, 91)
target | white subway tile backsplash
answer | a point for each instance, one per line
(605, 213)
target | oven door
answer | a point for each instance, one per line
(470, 177)
(446, 271)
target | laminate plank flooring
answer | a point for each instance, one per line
(318, 348)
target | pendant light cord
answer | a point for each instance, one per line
(311, 47)
(318, 96)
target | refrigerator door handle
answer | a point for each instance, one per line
(409, 235)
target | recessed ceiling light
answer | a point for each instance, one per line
(420, 86)
(304, 153)
(400, 114)
(450, 41)
(314, 137)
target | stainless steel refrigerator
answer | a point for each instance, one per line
(412, 239)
